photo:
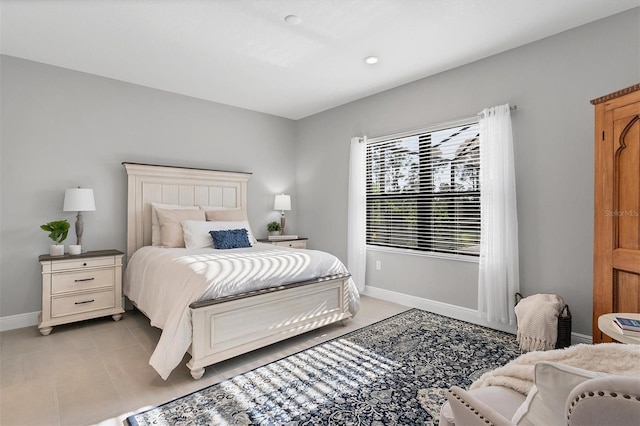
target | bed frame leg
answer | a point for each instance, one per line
(345, 321)
(197, 373)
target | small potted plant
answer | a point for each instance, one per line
(58, 230)
(274, 228)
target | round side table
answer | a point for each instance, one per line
(605, 324)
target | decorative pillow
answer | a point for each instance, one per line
(229, 215)
(196, 233)
(230, 239)
(546, 399)
(155, 224)
(171, 225)
(224, 215)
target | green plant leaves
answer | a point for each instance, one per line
(58, 230)
(273, 226)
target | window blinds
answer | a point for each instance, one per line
(422, 190)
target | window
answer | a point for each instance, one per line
(423, 190)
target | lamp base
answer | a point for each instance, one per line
(282, 222)
(79, 228)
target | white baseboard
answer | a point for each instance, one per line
(19, 321)
(452, 311)
(581, 338)
(440, 308)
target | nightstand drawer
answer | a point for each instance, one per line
(82, 263)
(79, 303)
(82, 280)
(293, 244)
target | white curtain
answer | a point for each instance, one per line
(356, 224)
(499, 272)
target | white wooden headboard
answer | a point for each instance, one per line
(176, 185)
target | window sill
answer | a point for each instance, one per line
(410, 252)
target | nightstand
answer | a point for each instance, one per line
(300, 243)
(80, 287)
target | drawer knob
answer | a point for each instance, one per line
(84, 264)
(86, 301)
(85, 279)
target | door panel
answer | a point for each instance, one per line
(627, 294)
(626, 209)
(626, 217)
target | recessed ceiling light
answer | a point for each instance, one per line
(292, 19)
(371, 60)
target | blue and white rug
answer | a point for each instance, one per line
(394, 372)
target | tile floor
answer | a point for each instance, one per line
(97, 372)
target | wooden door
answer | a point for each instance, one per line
(616, 285)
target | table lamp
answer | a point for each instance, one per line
(79, 200)
(282, 203)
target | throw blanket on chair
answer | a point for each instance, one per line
(537, 317)
(609, 358)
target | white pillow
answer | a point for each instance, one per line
(196, 233)
(546, 400)
(156, 237)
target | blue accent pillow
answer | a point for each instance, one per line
(230, 238)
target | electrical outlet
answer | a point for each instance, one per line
(378, 265)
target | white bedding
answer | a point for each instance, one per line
(163, 282)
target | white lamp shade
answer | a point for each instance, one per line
(79, 200)
(282, 202)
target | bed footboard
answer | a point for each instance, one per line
(222, 330)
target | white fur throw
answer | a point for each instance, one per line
(538, 321)
(610, 358)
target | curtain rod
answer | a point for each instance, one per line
(511, 108)
(429, 128)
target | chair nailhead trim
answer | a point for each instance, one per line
(593, 395)
(476, 412)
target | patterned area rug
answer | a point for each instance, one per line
(394, 372)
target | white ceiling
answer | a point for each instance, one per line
(243, 53)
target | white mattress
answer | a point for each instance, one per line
(163, 282)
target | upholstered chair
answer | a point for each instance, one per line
(603, 400)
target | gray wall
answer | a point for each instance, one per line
(552, 82)
(61, 129)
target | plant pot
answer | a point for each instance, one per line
(274, 233)
(56, 249)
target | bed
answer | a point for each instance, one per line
(269, 293)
